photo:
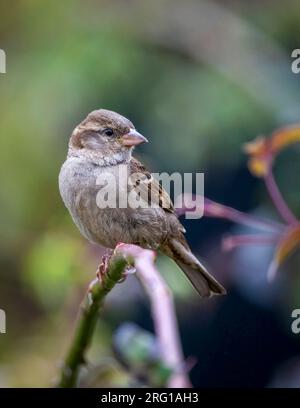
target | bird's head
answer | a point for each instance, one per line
(106, 134)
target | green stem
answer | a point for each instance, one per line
(88, 319)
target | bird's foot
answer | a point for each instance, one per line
(103, 267)
(129, 270)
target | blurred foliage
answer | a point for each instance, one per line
(50, 268)
(65, 59)
(138, 350)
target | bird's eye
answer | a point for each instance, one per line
(108, 132)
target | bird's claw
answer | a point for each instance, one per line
(129, 270)
(102, 268)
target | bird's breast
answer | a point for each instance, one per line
(86, 187)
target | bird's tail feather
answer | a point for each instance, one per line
(205, 284)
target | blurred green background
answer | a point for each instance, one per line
(198, 79)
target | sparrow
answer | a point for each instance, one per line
(99, 145)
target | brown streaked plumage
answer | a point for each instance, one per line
(102, 143)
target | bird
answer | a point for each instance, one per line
(102, 144)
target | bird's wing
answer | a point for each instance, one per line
(176, 245)
(149, 189)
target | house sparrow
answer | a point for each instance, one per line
(100, 144)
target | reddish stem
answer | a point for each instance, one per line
(163, 312)
(278, 200)
(233, 241)
(216, 210)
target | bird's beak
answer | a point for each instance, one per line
(133, 138)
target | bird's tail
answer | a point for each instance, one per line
(205, 284)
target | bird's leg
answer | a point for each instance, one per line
(102, 268)
(130, 269)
